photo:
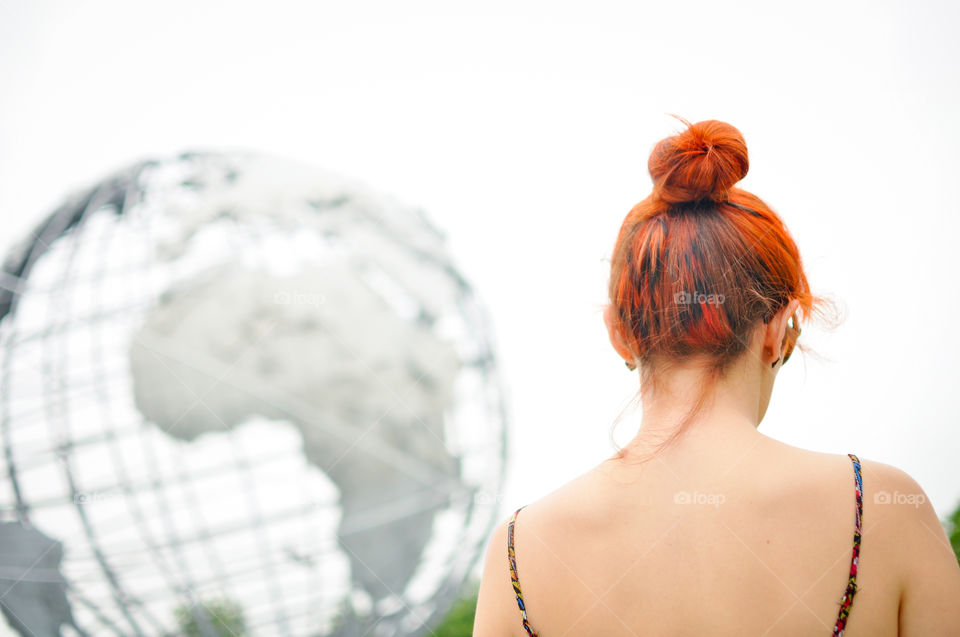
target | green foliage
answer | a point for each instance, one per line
(459, 621)
(223, 616)
(953, 530)
(348, 622)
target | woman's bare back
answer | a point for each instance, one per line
(753, 538)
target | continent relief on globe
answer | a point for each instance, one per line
(340, 365)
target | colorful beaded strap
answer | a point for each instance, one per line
(847, 599)
(845, 603)
(511, 554)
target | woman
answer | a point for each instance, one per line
(702, 525)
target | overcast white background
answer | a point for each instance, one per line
(524, 130)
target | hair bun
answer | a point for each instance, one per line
(702, 162)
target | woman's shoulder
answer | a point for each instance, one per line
(578, 502)
(897, 514)
(497, 604)
(901, 526)
(876, 476)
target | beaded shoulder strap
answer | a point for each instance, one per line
(847, 600)
(512, 556)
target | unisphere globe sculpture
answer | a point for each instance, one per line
(245, 396)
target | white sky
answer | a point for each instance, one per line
(524, 130)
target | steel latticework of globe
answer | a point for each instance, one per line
(231, 382)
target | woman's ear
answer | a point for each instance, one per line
(614, 335)
(775, 333)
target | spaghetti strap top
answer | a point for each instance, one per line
(845, 602)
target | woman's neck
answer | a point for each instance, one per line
(730, 415)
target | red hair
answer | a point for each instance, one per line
(699, 264)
